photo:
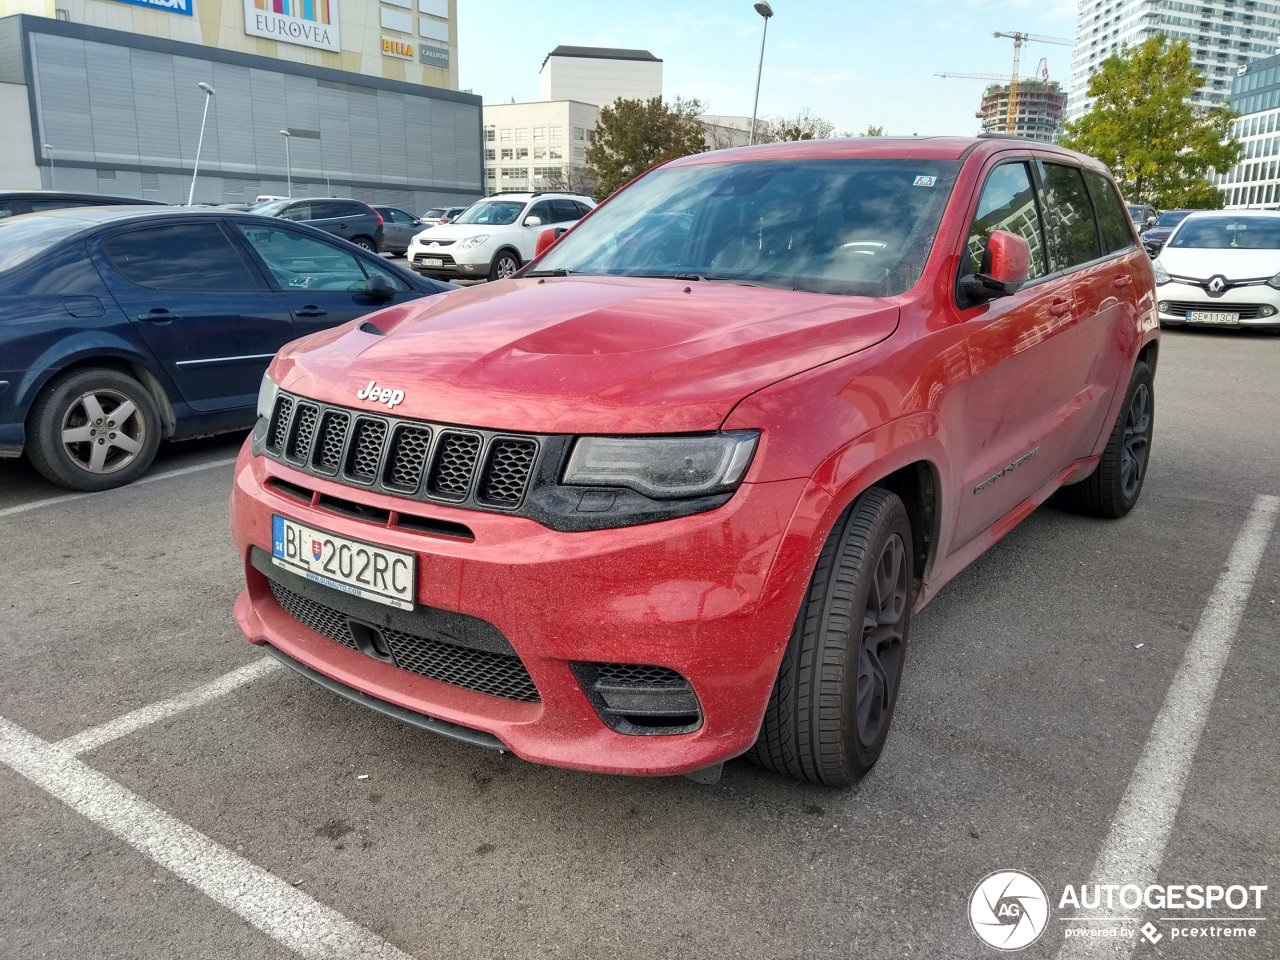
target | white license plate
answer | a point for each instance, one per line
(431, 262)
(360, 569)
(1212, 316)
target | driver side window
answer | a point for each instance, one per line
(299, 262)
(1008, 203)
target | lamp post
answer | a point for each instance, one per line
(53, 173)
(195, 170)
(288, 162)
(765, 12)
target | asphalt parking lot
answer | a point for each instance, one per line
(208, 827)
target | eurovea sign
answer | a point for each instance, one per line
(309, 23)
(169, 6)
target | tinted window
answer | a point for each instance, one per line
(40, 206)
(292, 211)
(1112, 223)
(1223, 233)
(858, 227)
(583, 209)
(1072, 231)
(394, 215)
(330, 209)
(305, 263)
(1008, 203)
(180, 256)
(6, 208)
(1172, 218)
(26, 238)
(565, 211)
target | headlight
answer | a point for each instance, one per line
(1162, 275)
(663, 468)
(267, 391)
(475, 241)
(1274, 282)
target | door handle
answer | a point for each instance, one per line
(310, 310)
(158, 315)
(1059, 307)
(1121, 282)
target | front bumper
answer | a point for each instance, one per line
(1256, 305)
(454, 264)
(698, 595)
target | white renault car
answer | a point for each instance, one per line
(495, 236)
(1221, 268)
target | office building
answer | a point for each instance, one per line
(599, 75)
(333, 97)
(1255, 95)
(1224, 36)
(1037, 109)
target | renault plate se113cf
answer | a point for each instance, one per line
(672, 493)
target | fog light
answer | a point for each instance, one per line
(469, 267)
(1164, 306)
(1267, 311)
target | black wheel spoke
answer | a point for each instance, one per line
(880, 647)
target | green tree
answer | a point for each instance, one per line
(872, 131)
(633, 135)
(803, 126)
(1144, 127)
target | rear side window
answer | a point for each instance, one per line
(1073, 234)
(1113, 225)
(1008, 203)
(180, 256)
(565, 210)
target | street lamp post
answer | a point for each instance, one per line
(53, 172)
(765, 12)
(288, 162)
(195, 170)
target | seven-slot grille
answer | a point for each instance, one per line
(402, 457)
(497, 674)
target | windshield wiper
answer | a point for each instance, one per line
(558, 272)
(696, 276)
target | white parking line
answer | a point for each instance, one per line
(144, 716)
(166, 475)
(278, 909)
(1140, 828)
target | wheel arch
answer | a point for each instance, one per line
(109, 358)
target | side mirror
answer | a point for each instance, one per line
(416, 222)
(379, 289)
(1149, 223)
(546, 238)
(533, 221)
(1006, 264)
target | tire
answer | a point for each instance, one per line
(830, 710)
(505, 263)
(1116, 482)
(364, 243)
(70, 406)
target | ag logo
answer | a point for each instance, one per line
(1008, 910)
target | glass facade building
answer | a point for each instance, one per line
(1255, 95)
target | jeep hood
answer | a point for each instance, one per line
(583, 355)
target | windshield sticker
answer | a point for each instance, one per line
(925, 181)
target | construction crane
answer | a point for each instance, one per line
(1019, 38)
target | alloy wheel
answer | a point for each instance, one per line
(1137, 441)
(103, 431)
(506, 267)
(881, 646)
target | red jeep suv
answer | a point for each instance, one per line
(672, 493)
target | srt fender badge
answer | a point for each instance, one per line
(380, 394)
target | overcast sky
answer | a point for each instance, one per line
(855, 62)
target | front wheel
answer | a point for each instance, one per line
(829, 713)
(364, 243)
(504, 265)
(1112, 490)
(93, 430)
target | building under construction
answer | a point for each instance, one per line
(1038, 107)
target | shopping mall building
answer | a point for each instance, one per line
(339, 97)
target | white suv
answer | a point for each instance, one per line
(495, 236)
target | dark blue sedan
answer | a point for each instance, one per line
(123, 326)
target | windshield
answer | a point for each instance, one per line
(24, 238)
(855, 227)
(1220, 233)
(494, 212)
(271, 209)
(1172, 218)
